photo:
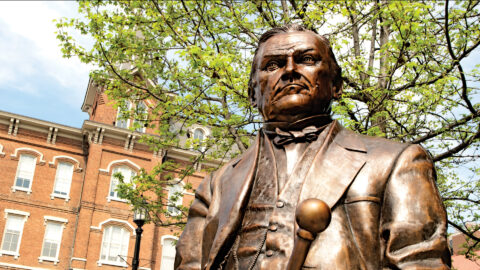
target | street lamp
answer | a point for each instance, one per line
(139, 217)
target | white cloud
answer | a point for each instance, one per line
(30, 49)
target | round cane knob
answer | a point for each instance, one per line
(313, 215)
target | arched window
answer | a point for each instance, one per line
(168, 252)
(12, 234)
(175, 198)
(139, 122)
(52, 239)
(121, 121)
(140, 113)
(127, 174)
(25, 171)
(198, 134)
(63, 180)
(114, 245)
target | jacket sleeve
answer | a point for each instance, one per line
(189, 247)
(414, 221)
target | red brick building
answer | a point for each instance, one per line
(458, 246)
(57, 194)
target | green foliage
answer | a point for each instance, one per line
(403, 64)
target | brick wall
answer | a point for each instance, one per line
(95, 150)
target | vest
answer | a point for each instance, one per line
(266, 238)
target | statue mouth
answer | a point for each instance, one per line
(290, 89)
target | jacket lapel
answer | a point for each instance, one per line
(334, 169)
(235, 187)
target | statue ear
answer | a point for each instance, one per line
(337, 89)
(251, 94)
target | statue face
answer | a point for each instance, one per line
(293, 77)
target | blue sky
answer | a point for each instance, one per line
(35, 80)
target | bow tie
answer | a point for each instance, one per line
(304, 130)
(307, 134)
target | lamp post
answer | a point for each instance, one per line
(139, 216)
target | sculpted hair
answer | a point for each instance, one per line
(337, 70)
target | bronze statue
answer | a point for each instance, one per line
(386, 212)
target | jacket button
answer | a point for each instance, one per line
(280, 204)
(269, 253)
(272, 228)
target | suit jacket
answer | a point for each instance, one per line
(386, 209)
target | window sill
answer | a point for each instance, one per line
(49, 259)
(172, 214)
(27, 190)
(109, 199)
(11, 253)
(54, 195)
(119, 264)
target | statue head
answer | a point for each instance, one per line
(294, 75)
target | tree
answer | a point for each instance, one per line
(406, 65)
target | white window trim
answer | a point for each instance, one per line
(28, 190)
(57, 219)
(27, 149)
(25, 215)
(71, 159)
(130, 121)
(162, 239)
(61, 196)
(112, 198)
(206, 134)
(162, 242)
(101, 262)
(101, 224)
(18, 266)
(64, 221)
(2, 154)
(127, 161)
(117, 116)
(133, 121)
(182, 184)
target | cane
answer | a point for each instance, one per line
(313, 216)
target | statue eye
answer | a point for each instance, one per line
(308, 59)
(272, 65)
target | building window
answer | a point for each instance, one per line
(168, 252)
(140, 116)
(127, 174)
(141, 113)
(198, 134)
(12, 234)
(52, 241)
(25, 171)
(175, 199)
(63, 180)
(114, 246)
(121, 122)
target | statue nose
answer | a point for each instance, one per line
(290, 70)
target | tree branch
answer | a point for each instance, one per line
(457, 62)
(464, 231)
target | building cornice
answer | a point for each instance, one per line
(42, 126)
(96, 132)
(89, 98)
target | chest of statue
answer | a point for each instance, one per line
(266, 237)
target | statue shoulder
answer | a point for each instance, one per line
(242, 162)
(372, 145)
